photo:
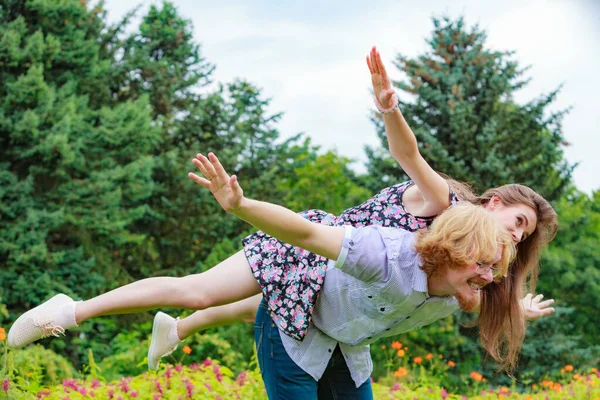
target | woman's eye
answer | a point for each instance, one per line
(519, 221)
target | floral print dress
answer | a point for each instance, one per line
(291, 277)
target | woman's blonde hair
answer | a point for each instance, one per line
(461, 236)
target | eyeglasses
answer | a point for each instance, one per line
(485, 268)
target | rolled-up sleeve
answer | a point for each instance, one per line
(364, 254)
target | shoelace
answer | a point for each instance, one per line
(50, 329)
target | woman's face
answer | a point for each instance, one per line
(520, 220)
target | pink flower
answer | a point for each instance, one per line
(218, 373)
(158, 387)
(70, 384)
(5, 385)
(157, 397)
(134, 394)
(207, 362)
(241, 378)
(206, 385)
(82, 391)
(444, 394)
(396, 386)
(189, 387)
(178, 367)
(124, 386)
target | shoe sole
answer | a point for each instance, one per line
(61, 299)
(157, 330)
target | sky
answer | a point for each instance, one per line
(308, 57)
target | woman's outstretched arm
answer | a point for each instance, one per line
(272, 219)
(403, 143)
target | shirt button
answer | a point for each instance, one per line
(395, 254)
(351, 242)
(382, 309)
(370, 297)
(329, 350)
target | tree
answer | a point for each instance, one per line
(466, 121)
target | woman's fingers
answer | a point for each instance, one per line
(198, 163)
(201, 181)
(218, 168)
(207, 167)
(546, 304)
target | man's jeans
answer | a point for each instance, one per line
(285, 380)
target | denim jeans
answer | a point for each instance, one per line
(284, 380)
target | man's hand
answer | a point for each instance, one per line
(534, 307)
(225, 188)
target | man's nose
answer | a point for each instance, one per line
(488, 276)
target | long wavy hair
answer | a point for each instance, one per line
(501, 321)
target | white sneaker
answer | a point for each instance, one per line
(38, 323)
(164, 339)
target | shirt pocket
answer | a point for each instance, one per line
(369, 302)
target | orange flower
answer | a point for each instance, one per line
(476, 376)
(396, 345)
(534, 386)
(187, 349)
(562, 371)
(594, 370)
(568, 368)
(2, 334)
(400, 353)
(418, 360)
(400, 372)
(383, 347)
(441, 356)
(504, 389)
(451, 364)
(576, 377)
(557, 387)
(429, 356)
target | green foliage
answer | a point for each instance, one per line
(466, 122)
(44, 365)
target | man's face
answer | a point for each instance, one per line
(465, 283)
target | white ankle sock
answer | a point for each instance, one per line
(65, 315)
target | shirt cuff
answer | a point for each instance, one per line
(345, 245)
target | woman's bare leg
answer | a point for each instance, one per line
(227, 282)
(240, 311)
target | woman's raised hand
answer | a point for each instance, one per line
(382, 87)
(534, 307)
(225, 188)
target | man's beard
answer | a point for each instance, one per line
(466, 303)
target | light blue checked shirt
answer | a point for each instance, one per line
(375, 289)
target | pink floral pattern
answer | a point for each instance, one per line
(291, 277)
